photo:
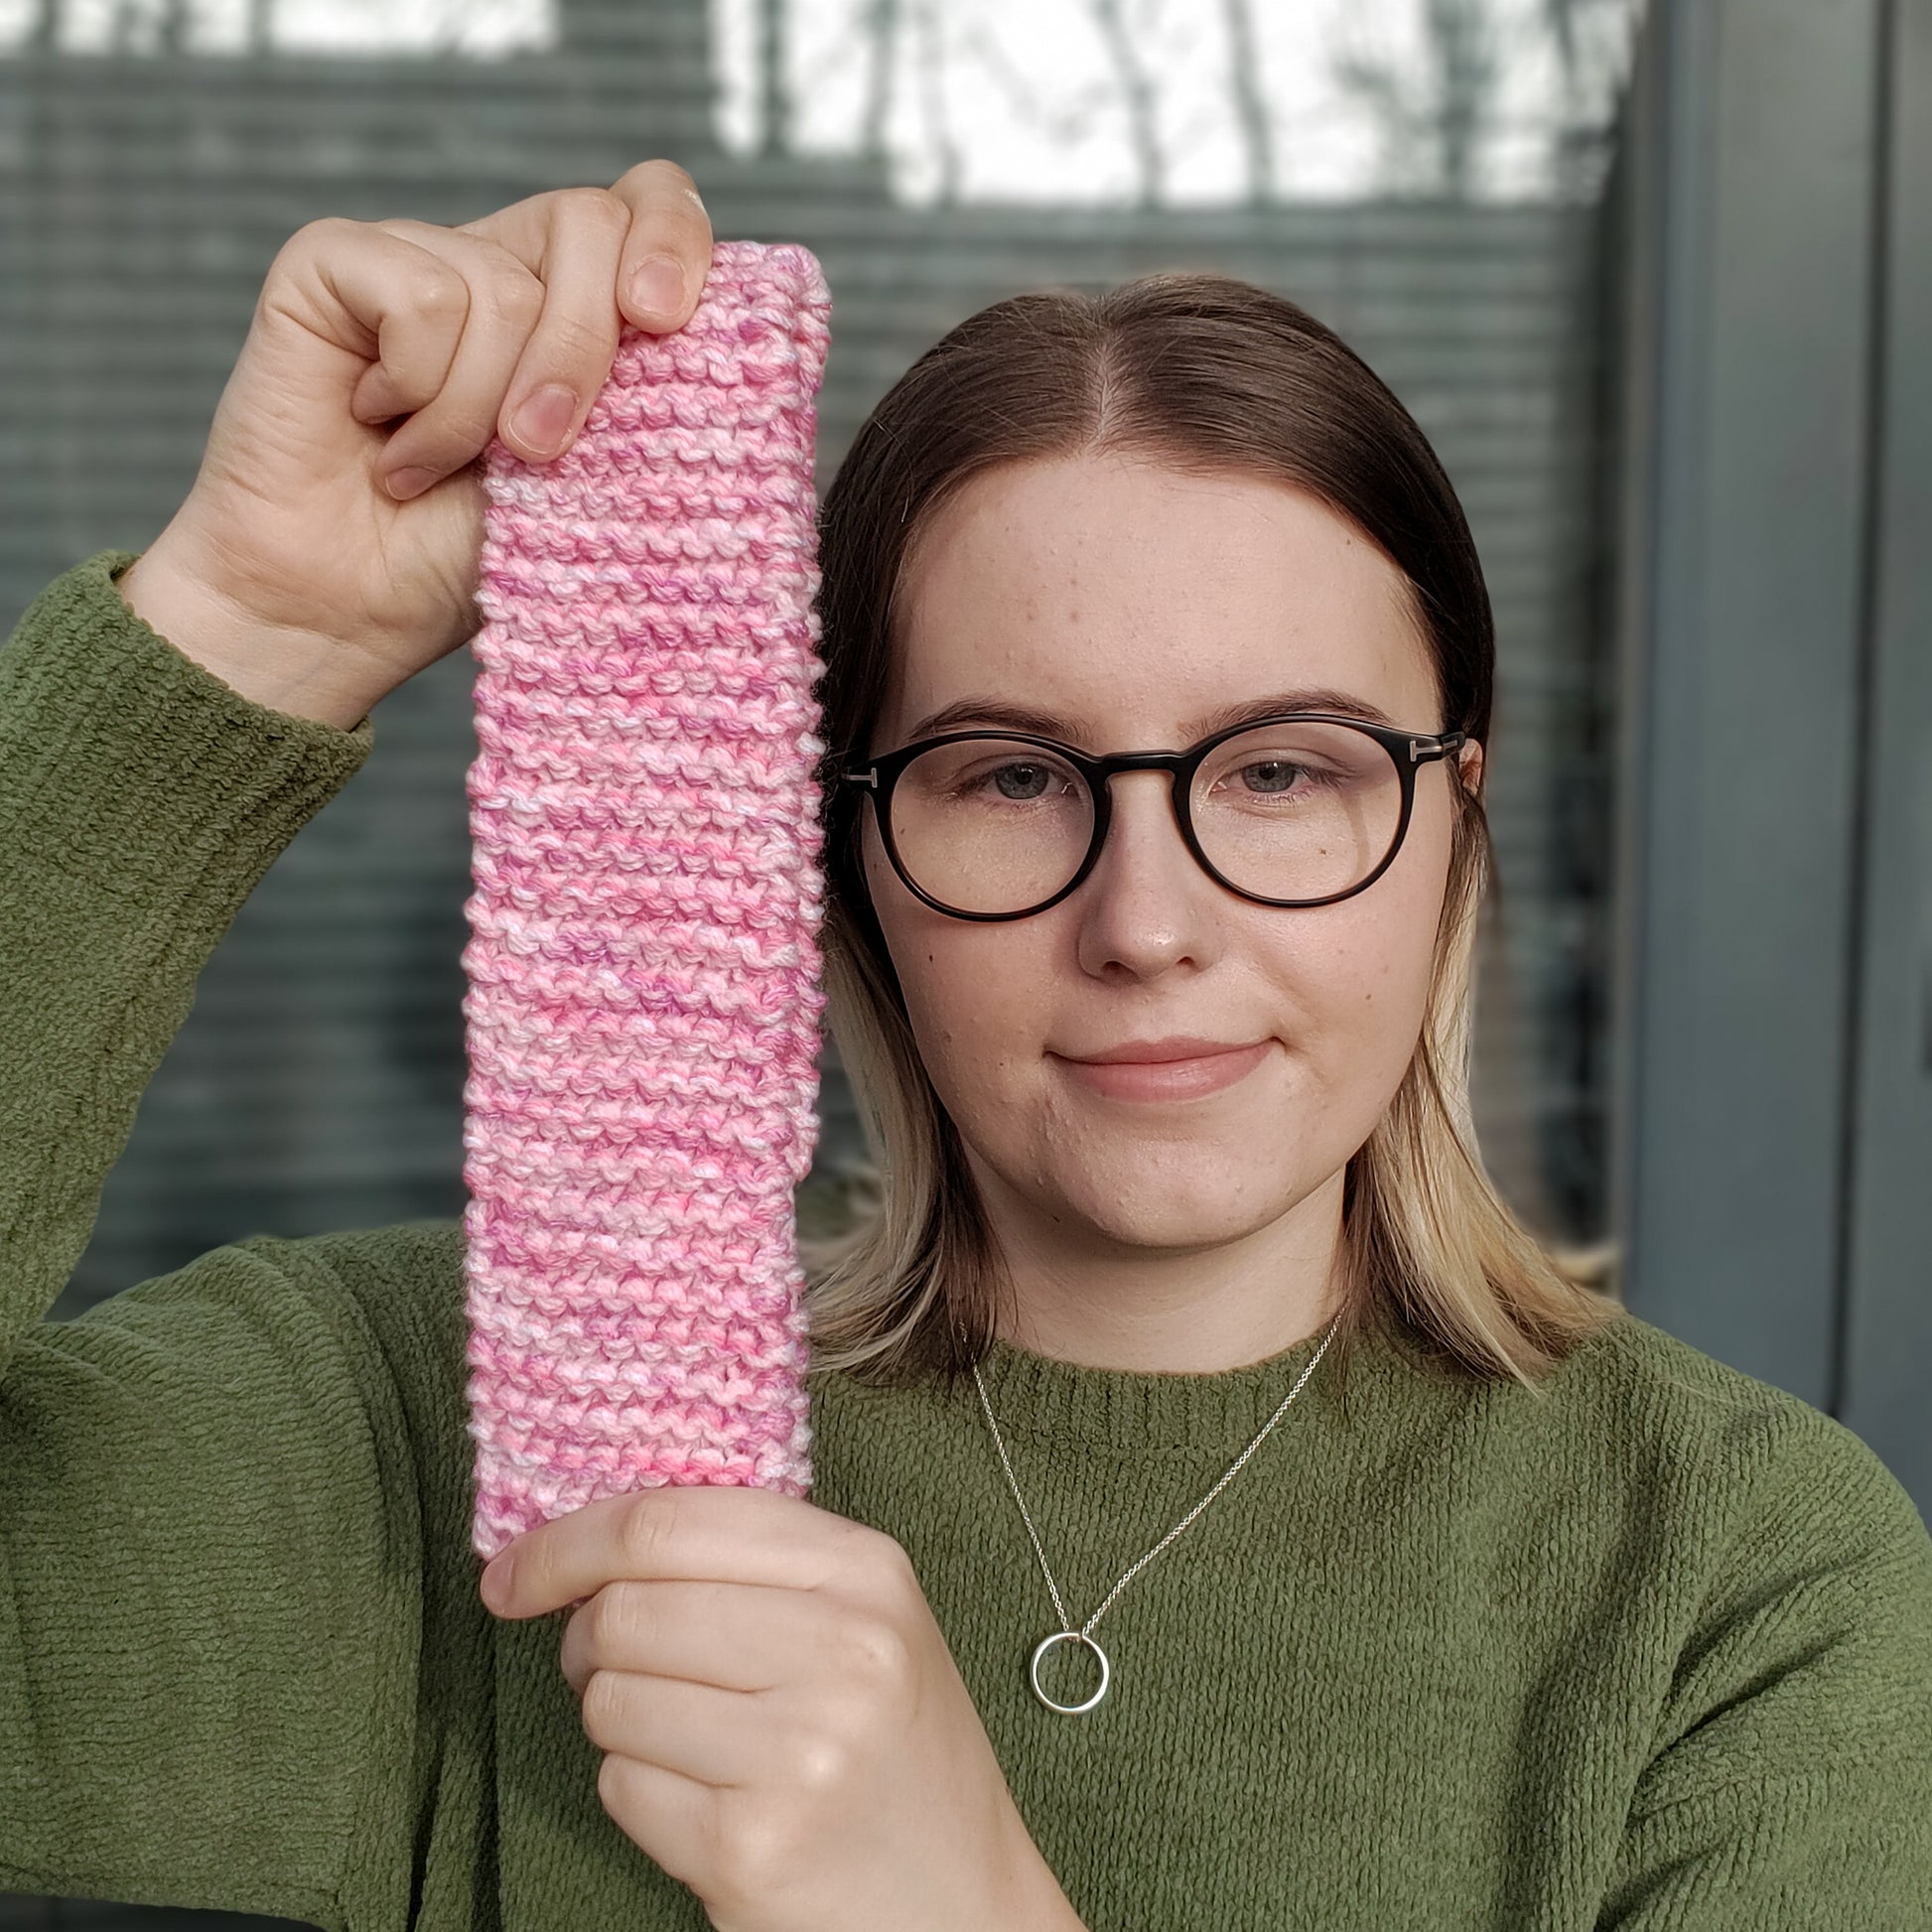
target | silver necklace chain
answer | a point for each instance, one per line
(1066, 1633)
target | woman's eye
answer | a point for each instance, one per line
(1020, 781)
(1272, 775)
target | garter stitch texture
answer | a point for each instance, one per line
(643, 1000)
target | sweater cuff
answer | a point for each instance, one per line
(136, 768)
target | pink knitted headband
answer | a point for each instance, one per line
(643, 969)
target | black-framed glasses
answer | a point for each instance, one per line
(1301, 809)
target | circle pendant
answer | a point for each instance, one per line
(1069, 1636)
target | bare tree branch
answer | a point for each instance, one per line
(1434, 121)
(882, 31)
(1560, 17)
(1069, 117)
(1137, 93)
(933, 78)
(1250, 102)
(774, 97)
(1463, 50)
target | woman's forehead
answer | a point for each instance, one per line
(1126, 598)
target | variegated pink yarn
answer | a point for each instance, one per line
(643, 1001)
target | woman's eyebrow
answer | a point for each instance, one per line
(1003, 716)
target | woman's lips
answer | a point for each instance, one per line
(1166, 1079)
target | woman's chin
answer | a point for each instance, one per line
(1138, 1216)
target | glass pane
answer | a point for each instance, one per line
(1297, 811)
(991, 825)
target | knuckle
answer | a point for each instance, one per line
(662, 172)
(609, 1783)
(641, 1530)
(817, 1763)
(614, 1614)
(593, 205)
(310, 239)
(892, 1554)
(578, 343)
(437, 292)
(602, 1702)
(447, 435)
(756, 1840)
(888, 1560)
(322, 228)
(599, 1618)
(662, 189)
(515, 293)
(874, 1651)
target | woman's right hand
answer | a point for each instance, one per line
(324, 557)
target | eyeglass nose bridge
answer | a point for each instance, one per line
(1099, 773)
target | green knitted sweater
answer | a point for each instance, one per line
(1653, 1649)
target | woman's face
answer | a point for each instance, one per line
(1129, 603)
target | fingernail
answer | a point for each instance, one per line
(406, 482)
(659, 284)
(542, 419)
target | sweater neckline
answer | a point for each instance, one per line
(1122, 1410)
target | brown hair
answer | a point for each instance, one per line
(1202, 374)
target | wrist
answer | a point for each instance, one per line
(295, 672)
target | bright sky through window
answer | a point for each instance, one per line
(1031, 96)
(1193, 101)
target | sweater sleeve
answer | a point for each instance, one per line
(203, 1579)
(1791, 1785)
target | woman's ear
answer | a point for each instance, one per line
(1468, 763)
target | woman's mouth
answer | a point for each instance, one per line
(1180, 1079)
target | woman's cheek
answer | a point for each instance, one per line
(964, 1020)
(1376, 989)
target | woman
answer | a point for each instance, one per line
(1158, 674)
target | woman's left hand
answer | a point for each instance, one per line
(784, 1727)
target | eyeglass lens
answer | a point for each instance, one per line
(1296, 810)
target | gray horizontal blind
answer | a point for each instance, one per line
(318, 1084)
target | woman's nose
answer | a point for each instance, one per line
(1146, 902)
